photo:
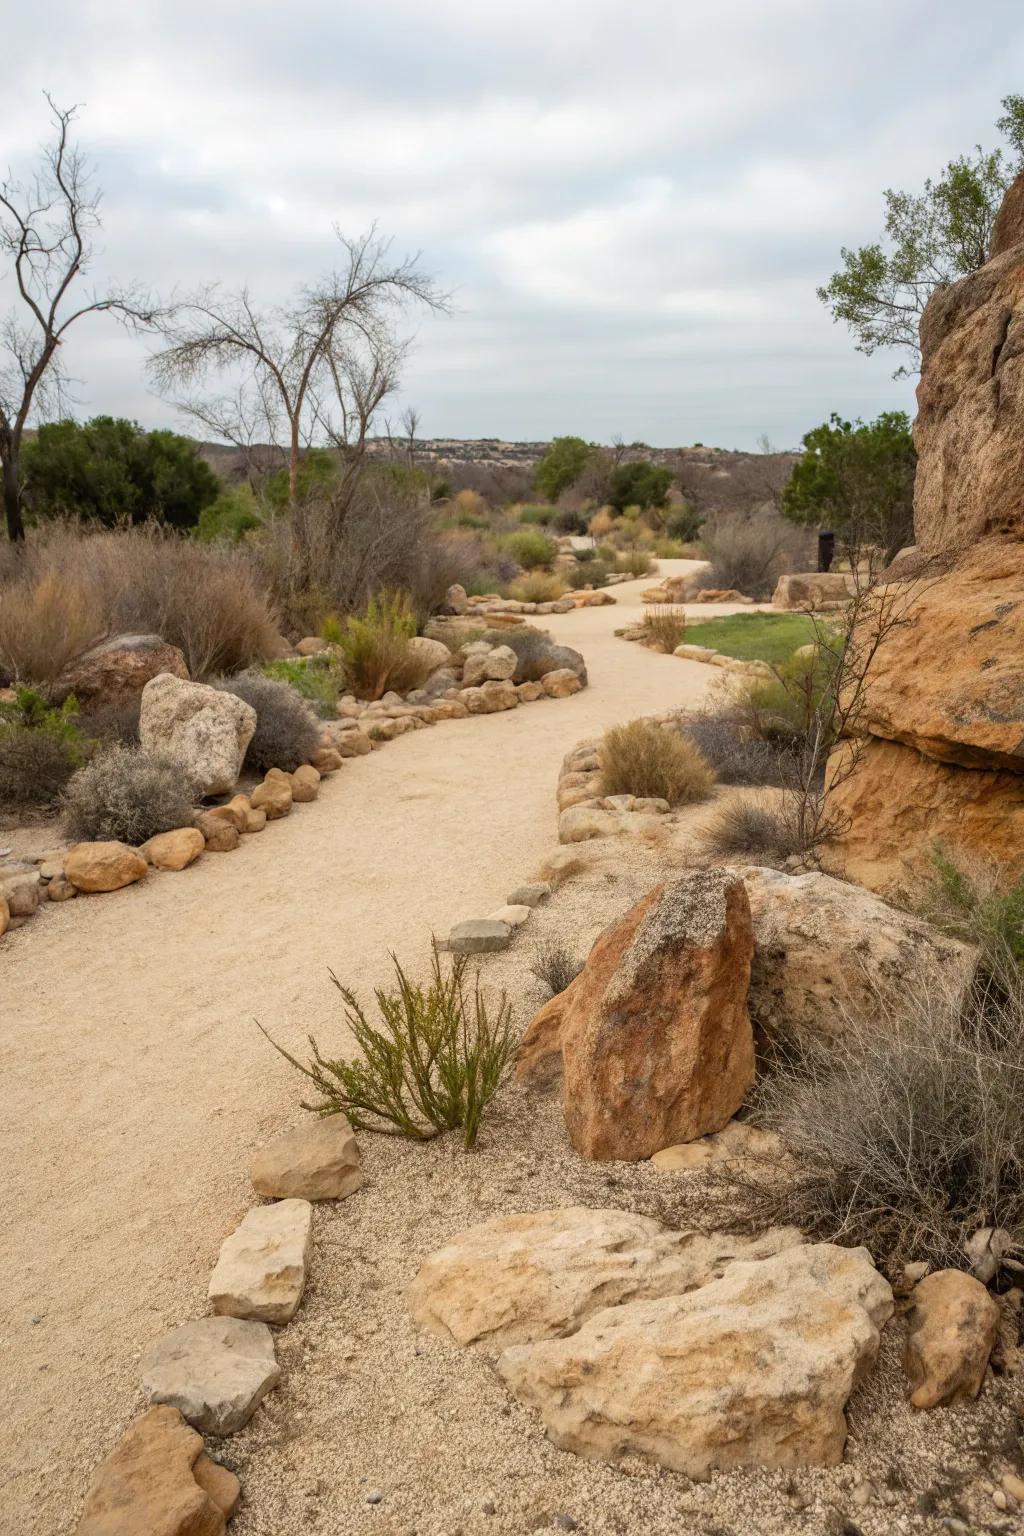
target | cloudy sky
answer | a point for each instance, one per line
(632, 200)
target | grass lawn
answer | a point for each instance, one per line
(753, 636)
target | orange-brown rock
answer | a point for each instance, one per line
(158, 1480)
(954, 1324)
(969, 430)
(654, 1033)
(118, 669)
(1008, 229)
(103, 866)
(948, 677)
(897, 805)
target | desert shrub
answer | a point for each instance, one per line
(235, 513)
(755, 829)
(375, 651)
(972, 903)
(683, 523)
(114, 721)
(792, 708)
(537, 514)
(287, 733)
(664, 629)
(570, 520)
(317, 679)
(735, 756)
(532, 550)
(634, 562)
(40, 749)
(125, 795)
(556, 967)
(470, 504)
(749, 555)
(433, 1064)
(645, 760)
(593, 573)
(666, 548)
(906, 1132)
(537, 587)
(47, 619)
(602, 523)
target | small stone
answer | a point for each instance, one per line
(305, 782)
(326, 760)
(479, 936)
(529, 895)
(515, 916)
(376, 1497)
(215, 1371)
(59, 889)
(560, 683)
(219, 834)
(261, 1271)
(566, 1523)
(317, 1161)
(954, 1323)
(273, 797)
(174, 850)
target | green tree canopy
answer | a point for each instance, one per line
(639, 484)
(857, 479)
(562, 465)
(108, 470)
(930, 238)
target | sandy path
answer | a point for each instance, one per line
(135, 1082)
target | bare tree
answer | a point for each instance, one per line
(321, 365)
(46, 235)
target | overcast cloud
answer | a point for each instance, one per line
(632, 200)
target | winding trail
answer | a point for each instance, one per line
(135, 1084)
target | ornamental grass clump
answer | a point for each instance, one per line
(432, 1065)
(375, 652)
(664, 629)
(651, 762)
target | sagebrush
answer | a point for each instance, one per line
(651, 762)
(433, 1064)
(768, 830)
(287, 732)
(125, 795)
(556, 967)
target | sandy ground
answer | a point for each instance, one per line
(136, 1084)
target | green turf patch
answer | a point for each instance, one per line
(769, 637)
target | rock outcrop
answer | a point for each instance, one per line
(205, 729)
(753, 1369)
(654, 1034)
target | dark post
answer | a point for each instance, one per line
(826, 549)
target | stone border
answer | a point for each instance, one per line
(701, 653)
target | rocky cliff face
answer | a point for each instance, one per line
(944, 717)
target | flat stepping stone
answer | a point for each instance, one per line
(215, 1371)
(262, 1266)
(479, 936)
(318, 1161)
(529, 895)
(515, 916)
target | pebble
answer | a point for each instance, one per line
(376, 1497)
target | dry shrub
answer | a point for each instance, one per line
(556, 967)
(737, 757)
(755, 829)
(651, 762)
(635, 563)
(114, 722)
(375, 649)
(47, 619)
(664, 629)
(124, 795)
(537, 587)
(287, 732)
(537, 652)
(35, 766)
(749, 555)
(906, 1132)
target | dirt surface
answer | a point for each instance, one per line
(136, 1083)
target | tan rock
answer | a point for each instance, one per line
(326, 760)
(953, 1325)
(580, 794)
(512, 913)
(354, 744)
(261, 1270)
(305, 783)
(754, 1369)
(235, 813)
(734, 1143)
(255, 819)
(117, 670)
(22, 890)
(310, 645)
(273, 797)
(434, 653)
(220, 833)
(214, 1370)
(59, 889)
(174, 850)
(205, 729)
(897, 805)
(1008, 229)
(580, 822)
(813, 590)
(560, 683)
(103, 866)
(529, 693)
(5, 916)
(654, 1033)
(317, 1161)
(151, 1483)
(515, 1279)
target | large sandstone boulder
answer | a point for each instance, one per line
(206, 729)
(96, 867)
(897, 805)
(117, 670)
(518, 1278)
(433, 653)
(214, 1370)
(813, 591)
(954, 1323)
(159, 1481)
(753, 1369)
(654, 1033)
(825, 949)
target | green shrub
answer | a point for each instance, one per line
(433, 1065)
(791, 708)
(568, 520)
(40, 749)
(375, 651)
(287, 733)
(126, 796)
(634, 562)
(664, 629)
(234, 514)
(651, 762)
(594, 573)
(317, 679)
(640, 484)
(683, 523)
(537, 514)
(971, 904)
(529, 549)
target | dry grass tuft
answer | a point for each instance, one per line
(664, 629)
(555, 967)
(127, 796)
(748, 828)
(47, 619)
(537, 587)
(649, 761)
(375, 649)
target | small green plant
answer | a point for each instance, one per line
(650, 762)
(318, 679)
(433, 1064)
(664, 629)
(532, 550)
(537, 514)
(555, 967)
(375, 650)
(969, 904)
(40, 749)
(332, 629)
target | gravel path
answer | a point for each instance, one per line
(136, 1084)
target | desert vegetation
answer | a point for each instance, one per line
(644, 760)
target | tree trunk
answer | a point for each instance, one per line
(293, 467)
(12, 499)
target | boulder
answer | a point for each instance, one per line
(116, 671)
(529, 693)
(897, 805)
(551, 658)
(159, 1481)
(490, 698)
(215, 1371)
(434, 653)
(734, 1143)
(317, 1161)
(305, 784)
(560, 683)
(273, 797)
(953, 1325)
(948, 678)
(825, 949)
(813, 590)
(220, 833)
(22, 890)
(455, 599)
(479, 936)
(261, 1270)
(654, 1033)
(753, 1369)
(1008, 228)
(515, 1279)
(721, 595)
(95, 867)
(174, 850)
(310, 645)
(496, 664)
(205, 729)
